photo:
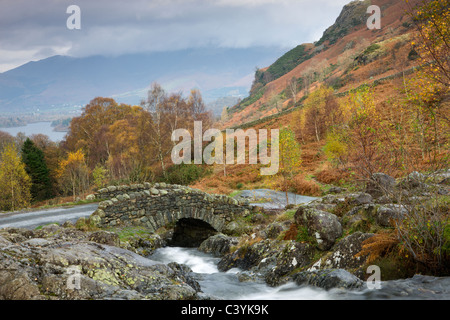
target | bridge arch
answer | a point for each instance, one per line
(170, 206)
(191, 232)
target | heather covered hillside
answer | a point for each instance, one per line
(347, 56)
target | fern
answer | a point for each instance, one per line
(378, 246)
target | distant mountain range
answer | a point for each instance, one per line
(62, 84)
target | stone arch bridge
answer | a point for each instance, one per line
(193, 214)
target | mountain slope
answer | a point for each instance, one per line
(347, 55)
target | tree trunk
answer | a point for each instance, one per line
(316, 129)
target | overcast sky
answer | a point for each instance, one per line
(36, 29)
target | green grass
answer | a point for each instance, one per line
(235, 193)
(129, 232)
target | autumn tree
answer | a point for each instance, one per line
(89, 131)
(169, 112)
(123, 148)
(197, 110)
(5, 139)
(15, 183)
(289, 159)
(320, 112)
(432, 21)
(292, 89)
(336, 148)
(100, 176)
(363, 123)
(130, 141)
(155, 105)
(36, 168)
(276, 102)
(73, 173)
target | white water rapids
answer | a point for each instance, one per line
(227, 286)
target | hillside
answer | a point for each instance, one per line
(348, 59)
(347, 55)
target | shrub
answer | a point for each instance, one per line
(305, 187)
(100, 176)
(425, 235)
(446, 245)
(336, 149)
(303, 236)
(185, 174)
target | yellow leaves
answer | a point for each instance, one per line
(74, 159)
(362, 107)
(433, 25)
(335, 149)
(73, 173)
(15, 183)
(290, 156)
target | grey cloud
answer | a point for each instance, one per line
(117, 27)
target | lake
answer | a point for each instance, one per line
(36, 128)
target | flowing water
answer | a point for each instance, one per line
(226, 285)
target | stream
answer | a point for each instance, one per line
(226, 285)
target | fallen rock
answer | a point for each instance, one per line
(380, 184)
(294, 255)
(218, 245)
(322, 225)
(415, 181)
(335, 190)
(359, 198)
(328, 279)
(344, 255)
(275, 229)
(388, 213)
(249, 256)
(104, 237)
(271, 260)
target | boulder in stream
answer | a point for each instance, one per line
(328, 279)
(322, 225)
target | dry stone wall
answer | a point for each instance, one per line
(161, 205)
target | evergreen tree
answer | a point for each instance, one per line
(14, 181)
(36, 167)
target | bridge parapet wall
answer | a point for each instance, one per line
(161, 205)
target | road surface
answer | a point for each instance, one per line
(33, 219)
(271, 199)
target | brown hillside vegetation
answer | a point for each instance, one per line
(395, 33)
(397, 134)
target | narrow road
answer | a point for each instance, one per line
(33, 219)
(271, 199)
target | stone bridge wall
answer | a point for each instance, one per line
(160, 205)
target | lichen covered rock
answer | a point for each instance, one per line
(322, 225)
(218, 245)
(65, 263)
(328, 279)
